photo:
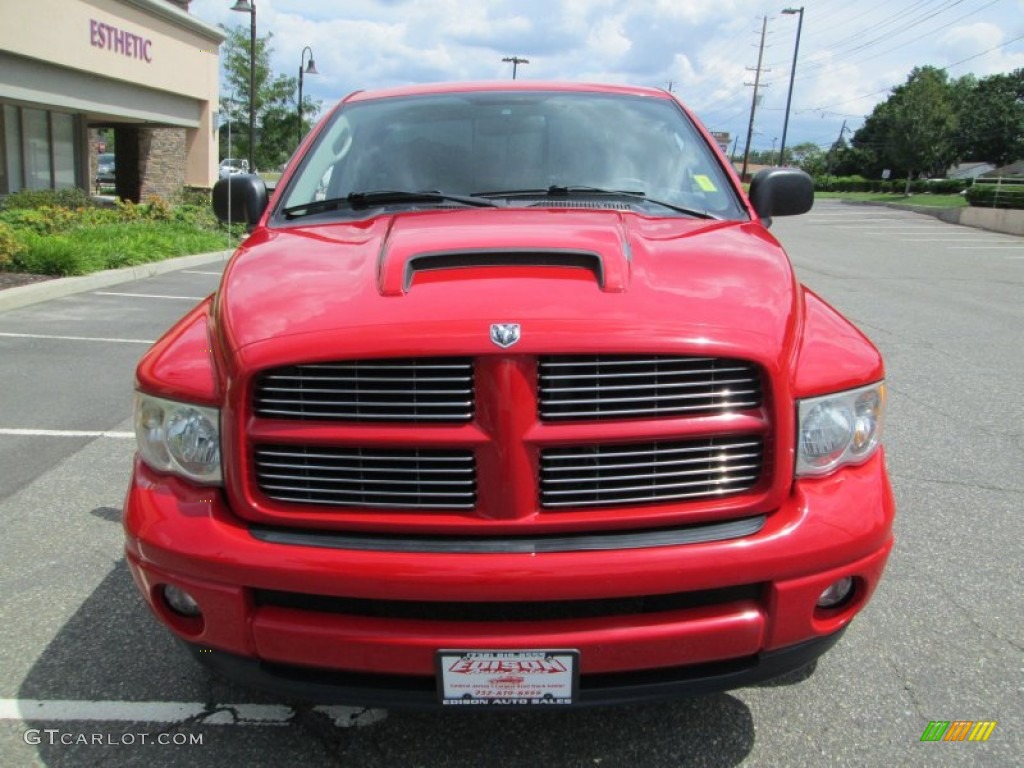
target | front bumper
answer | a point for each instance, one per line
(753, 615)
(394, 691)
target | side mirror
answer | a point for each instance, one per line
(781, 192)
(240, 198)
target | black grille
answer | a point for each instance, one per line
(549, 610)
(612, 475)
(612, 387)
(412, 479)
(414, 390)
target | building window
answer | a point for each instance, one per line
(36, 146)
(12, 150)
(38, 149)
(63, 127)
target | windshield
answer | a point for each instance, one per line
(506, 143)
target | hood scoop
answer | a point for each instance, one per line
(591, 262)
(426, 245)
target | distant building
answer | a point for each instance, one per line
(722, 138)
(1013, 169)
(969, 170)
(144, 68)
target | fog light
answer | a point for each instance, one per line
(836, 594)
(181, 602)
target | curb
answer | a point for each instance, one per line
(989, 219)
(24, 295)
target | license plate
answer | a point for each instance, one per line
(508, 678)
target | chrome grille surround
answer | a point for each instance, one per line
(414, 390)
(629, 387)
(405, 479)
(663, 471)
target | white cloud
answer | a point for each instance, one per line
(702, 46)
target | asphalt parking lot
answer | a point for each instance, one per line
(88, 677)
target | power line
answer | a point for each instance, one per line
(816, 67)
(888, 88)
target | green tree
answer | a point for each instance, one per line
(276, 113)
(920, 120)
(991, 118)
(807, 156)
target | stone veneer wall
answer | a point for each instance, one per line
(161, 161)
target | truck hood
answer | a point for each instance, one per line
(433, 282)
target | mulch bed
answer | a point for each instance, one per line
(14, 279)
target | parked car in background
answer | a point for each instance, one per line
(231, 166)
(509, 399)
(106, 168)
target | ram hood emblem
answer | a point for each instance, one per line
(505, 334)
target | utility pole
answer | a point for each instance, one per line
(515, 61)
(753, 102)
(792, 76)
(832, 152)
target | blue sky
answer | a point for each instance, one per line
(850, 53)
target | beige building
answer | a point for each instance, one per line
(145, 68)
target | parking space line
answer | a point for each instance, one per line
(178, 712)
(199, 272)
(899, 228)
(148, 295)
(140, 711)
(18, 432)
(960, 241)
(76, 338)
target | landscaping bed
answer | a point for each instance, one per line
(65, 232)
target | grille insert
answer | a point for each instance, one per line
(612, 475)
(610, 387)
(411, 390)
(551, 610)
(412, 479)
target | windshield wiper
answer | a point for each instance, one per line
(696, 212)
(556, 190)
(361, 200)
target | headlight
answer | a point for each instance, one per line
(843, 428)
(178, 437)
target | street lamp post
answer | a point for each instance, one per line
(310, 70)
(792, 73)
(515, 61)
(249, 6)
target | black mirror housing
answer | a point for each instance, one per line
(241, 197)
(781, 192)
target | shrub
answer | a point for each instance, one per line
(108, 246)
(10, 245)
(127, 210)
(44, 220)
(192, 196)
(57, 255)
(987, 195)
(47, 198)
(947, 186)
(156, 209)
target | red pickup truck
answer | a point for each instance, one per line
(509, 376)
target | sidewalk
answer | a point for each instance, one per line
(43, 289)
